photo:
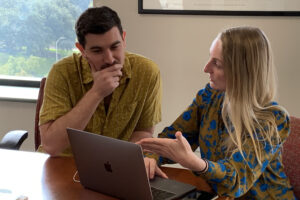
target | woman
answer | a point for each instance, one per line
(234, 121)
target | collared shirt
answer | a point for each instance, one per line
(135, 103)
(232, 175)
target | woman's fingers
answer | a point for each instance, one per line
(156, 149)
(160, 173)
(152, 166)
(178, 135)
(152, 169)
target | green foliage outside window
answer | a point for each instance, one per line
(34, 33)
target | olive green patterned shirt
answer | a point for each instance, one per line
(135, 103)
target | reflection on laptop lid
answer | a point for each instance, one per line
(115, 167)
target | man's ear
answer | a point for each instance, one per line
(81, 49)
(124, 38)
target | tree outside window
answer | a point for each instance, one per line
(35, 33)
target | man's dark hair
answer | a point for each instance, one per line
(97, 20)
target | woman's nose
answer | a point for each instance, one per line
(206, 68)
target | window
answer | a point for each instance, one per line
(33, 35)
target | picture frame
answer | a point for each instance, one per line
(221, 7)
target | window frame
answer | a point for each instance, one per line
(21, 82)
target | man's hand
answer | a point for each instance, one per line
(54, 136)
(106, 80)
(152, 169)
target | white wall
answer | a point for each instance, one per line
(17, 115)
(179, 45)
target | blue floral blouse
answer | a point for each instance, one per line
(234, 176)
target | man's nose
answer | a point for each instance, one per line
(108, 57)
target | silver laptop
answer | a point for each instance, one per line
(115, 167)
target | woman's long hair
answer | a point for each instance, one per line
(250, 88)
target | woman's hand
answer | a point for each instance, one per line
(178, 150)
(152, 169)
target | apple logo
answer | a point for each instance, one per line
(107, 167)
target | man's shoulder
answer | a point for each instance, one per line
(141, 63)
(68, 63)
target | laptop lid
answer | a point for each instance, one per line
(115, 167)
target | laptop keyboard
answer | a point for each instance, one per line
(158, 194)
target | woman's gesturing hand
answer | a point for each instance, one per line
(178, 150)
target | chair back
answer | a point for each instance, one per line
(291, 155)
(37, 137)
(13, 139)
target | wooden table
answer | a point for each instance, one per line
(38, 176)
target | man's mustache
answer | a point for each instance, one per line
(108, 65)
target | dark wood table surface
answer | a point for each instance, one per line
(38, 176)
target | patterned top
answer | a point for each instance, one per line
(135, 103)
(202, 125)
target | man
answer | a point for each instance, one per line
(102, 89)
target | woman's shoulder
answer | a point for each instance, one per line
(281, 115)
(208, 94)
(278, 111)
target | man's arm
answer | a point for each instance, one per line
(139, 134)
(54, 135)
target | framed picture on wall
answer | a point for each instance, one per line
(221, 7)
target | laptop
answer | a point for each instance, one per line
(116, 168)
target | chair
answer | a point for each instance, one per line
(291, 155)
(37, 137)
(13, 139)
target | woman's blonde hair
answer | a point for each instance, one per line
(250, 88)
